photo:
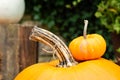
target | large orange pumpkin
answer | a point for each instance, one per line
(66, 68)
(86, 47)
(99, 69)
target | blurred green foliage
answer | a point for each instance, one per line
(66, 17)
(109, 14)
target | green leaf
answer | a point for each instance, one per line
(74, 18)
(102, 6)
(68, 6)
(37, 8)
(36, 17)
(79, 1)
(74, 3)
(104, 21)
(117, 28)
(117, 25)
(59, 2)
(118, 50)
(51, 23)
(98, 14)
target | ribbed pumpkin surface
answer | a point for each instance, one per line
(100, 69)
(93, 47)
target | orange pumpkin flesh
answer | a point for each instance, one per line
(93, 47)
(100, 69)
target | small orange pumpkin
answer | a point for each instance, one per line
(66, 68)
(91, 46)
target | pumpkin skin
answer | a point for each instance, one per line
(100, 69)
(93, 47)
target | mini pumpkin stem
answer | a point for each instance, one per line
(85, 29)
(59, 47)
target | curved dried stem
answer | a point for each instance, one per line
(58, 46)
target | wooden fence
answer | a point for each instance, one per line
(16, 50)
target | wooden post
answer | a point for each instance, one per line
(9, 50)
(28, 49)
(16, 50)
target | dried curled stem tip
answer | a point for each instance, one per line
(85, 28)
